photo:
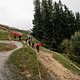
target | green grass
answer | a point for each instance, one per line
(35, 40)
(4, 35)
(5, 47)
(65, 63)
(65, 55)
(25, 60)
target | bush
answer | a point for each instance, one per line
(72, 47)
(75, 46)
(64, 46)
(76, 58)
(75, 43)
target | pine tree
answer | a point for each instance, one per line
(51, 25)
(63, 21)
(77, 21)
(37, 22)
(69, 22)
(58, 21)
(47, 22)
(54, 22)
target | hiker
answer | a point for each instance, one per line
(30, 38)
(20, 37)
(29, 42)
(37, 46)
(32, 44)
(26, 40)
(14, 37)
(14, 34)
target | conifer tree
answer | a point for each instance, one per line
(77, 21)
(69, 22)
(37, 22)
(54, 22)
(58, 21)
(47, 8)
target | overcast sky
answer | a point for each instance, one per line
(19, 13)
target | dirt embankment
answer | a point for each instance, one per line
(54, 67)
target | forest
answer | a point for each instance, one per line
(57, 27)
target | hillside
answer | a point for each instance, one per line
(23, 62)
(6, 30)
(30, 54)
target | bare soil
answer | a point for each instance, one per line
(54, 67)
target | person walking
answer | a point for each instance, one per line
(29, 42)
(19, 37)
(32, 44)
(26, 40)
(37, 46)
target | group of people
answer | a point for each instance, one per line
(17, 34)
(30, 42)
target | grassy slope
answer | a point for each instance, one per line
(4, 35)
(25, 61)
(63, 60)
(66, 63)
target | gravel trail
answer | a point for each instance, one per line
(5, 74)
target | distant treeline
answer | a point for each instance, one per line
(53, 22)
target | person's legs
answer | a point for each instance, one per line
(29, 43)
(32, 45)
(14, 37)
(26, 41)
(37, 48)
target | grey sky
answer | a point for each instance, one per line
(19, 13)
(73, 5)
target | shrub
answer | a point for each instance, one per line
(64, 46)
(75, 43)
(72, 47)
(75, 46)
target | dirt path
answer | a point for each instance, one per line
(54, 67)
(5, 74)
